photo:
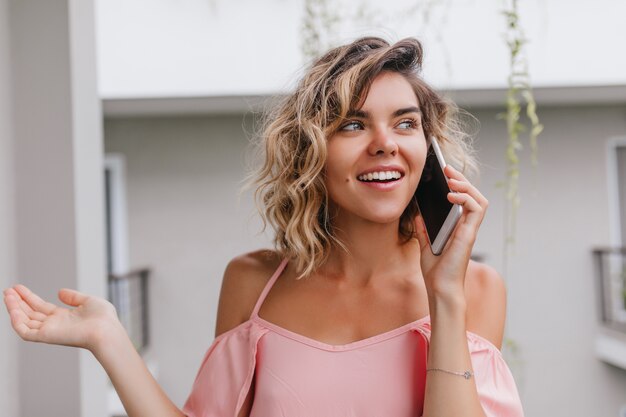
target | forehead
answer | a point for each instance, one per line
(390, 89)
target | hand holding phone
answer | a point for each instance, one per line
(440, 215)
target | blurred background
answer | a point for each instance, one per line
(124, 127)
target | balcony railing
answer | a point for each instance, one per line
(129, 294)
(610, 264)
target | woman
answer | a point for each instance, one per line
(351, 314)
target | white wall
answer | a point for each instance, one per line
(186, 223)
(160, 48)
(8, 341)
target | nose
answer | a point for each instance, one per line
(382, 143)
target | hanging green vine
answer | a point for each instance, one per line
(323, 19)
(519, 94)
(318, 24)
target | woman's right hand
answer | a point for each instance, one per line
(36, 320)
(91, 324)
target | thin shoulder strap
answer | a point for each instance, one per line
(268, 286)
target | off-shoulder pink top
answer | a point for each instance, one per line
(296, 376)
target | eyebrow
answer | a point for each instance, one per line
(365, 115)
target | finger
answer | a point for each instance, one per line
(18, 302)
(467, 229)
(467, 187)
(26, 333)
(452, 172)
(10, 292)
(469, 204)
(473, 213)
(34, 324)
(13, 305)
(10, 302)
(420, 233)
(32, 314)
(19, 320)
(458, 183)
(72, 297)
(34, 301)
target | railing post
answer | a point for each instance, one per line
(605, 290)
(132, 308)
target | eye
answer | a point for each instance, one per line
(408, 124)
(352, 126)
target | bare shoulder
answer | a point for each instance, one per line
(486, 302)
(244, 279)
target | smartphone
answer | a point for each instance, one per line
(440, 216)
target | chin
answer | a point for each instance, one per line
(383, 218)
(370, 211)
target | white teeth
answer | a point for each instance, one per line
(381, 175)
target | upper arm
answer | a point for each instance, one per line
(486, 303)
(244, 279)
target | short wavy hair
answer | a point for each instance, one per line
(291, 192)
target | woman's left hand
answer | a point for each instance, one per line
(445, 274)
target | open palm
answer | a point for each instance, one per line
(36, 320)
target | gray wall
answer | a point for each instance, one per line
(186, 223)
(8, 342)
(563, 215)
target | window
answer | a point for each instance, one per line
(115, 208)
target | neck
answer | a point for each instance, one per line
(376, 252)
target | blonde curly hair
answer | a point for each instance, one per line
(290, 185)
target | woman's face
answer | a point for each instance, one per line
(382, 139)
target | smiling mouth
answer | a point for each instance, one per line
(382, 177)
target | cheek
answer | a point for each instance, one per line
(415, 153)
(338, 179)
(416, 157)
(332, 169)
(338, 166)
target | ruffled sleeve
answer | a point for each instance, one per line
(226, 372)
(496, 387)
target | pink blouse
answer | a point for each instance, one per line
(383, 375)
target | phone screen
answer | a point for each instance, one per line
(432, 195)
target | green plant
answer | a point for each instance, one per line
(323, 19)
(318, 24)
(518, 96)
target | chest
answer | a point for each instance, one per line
(385, 377)
(337, 316)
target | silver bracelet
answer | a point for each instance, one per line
(466, 374)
